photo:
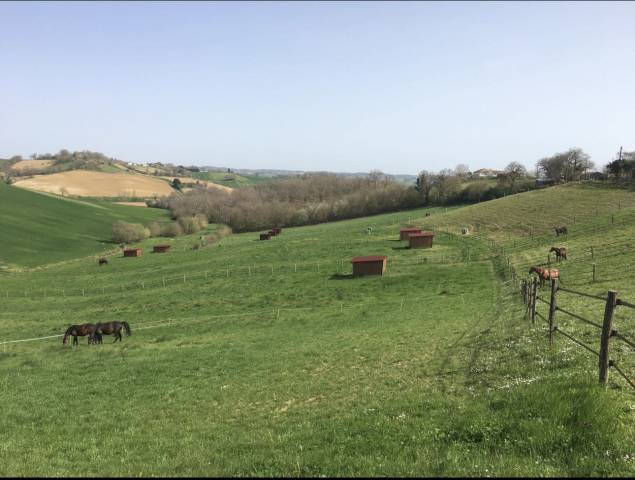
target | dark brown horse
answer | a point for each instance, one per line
(103, 261)
(80, 331)
(561, 231)
(544, 274)
(111, 328)
(560, 252)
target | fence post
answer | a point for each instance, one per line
(552, 307)
(591, 253)
(594, 273)
(611, 303)
(534, 290)
(163, 281)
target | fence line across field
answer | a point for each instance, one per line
(528, 290)
(402, 302)
(90, 290)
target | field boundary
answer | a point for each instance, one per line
(529, 293)
(276, 311)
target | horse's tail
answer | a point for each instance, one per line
(127, 328)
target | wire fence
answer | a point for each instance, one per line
(164, 281)
(274, 311)
(529, 289)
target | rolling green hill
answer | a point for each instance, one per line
(267, 358)
(37, 228)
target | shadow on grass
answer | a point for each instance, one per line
(342, 276)
(405, 247)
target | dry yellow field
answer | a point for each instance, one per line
(86, 183)
(28, 164)
(134, 204)
(201, 182)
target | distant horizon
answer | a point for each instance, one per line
(319, 86)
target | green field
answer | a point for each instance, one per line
(232, 180)
(267, 358)
(38, 228)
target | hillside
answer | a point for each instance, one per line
(37, 228)
(232, 180)
(269, 355)
(86, 183)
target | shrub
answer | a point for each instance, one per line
(188, 225)
(124, 232)
(155, 229)
(201, 220)
(171, 230)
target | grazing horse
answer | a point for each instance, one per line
(560, 231)
(111, 328)
(560, 252)
(544, 274)
(81, 331)
(103, 261)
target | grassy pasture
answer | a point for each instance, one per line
(301, 370)
(37, 228)
(232, 180)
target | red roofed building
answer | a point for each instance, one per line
(370, 265)
(404, 232)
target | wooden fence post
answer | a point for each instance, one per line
(552, 307)
(592, 253)
(594, 273)
(534, 290)
(611, 303)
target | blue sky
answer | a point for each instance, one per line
(341, 86)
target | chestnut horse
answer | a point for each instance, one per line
(111, 328)
(560, 252)
(561, 231)
(545, 274)
(80, 331)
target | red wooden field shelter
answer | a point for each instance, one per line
(161, 248)
(265, 236)
(132, 252)
(277, 230)
(272, 233)
(404, 232)
(421, 240)
(369, 265)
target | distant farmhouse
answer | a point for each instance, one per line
(487, 173)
